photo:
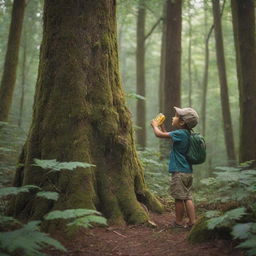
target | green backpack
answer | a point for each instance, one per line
(196, 153)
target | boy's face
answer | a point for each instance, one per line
(177, 122)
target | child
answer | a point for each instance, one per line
(181, 183)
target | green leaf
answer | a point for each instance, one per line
(54, 165)
(28, 239)
(214, 222)
(241, 231)
(48, 195)
(225, 219)
(135, 96)
(210, 214)
(16, 190)
(87, 220)
(70, 213)
(250, 243)
(6, 219)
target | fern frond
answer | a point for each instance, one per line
(87, 220)
(28, 239)
(70, 213)
(54, 165)
(48, 195)
(16, 190)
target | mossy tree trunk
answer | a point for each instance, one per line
(243, 15)
(80, 115)
(227, 123)
(140, 74)
(11, 59)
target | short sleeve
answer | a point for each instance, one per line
(176, 136)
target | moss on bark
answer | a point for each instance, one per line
(80, 115)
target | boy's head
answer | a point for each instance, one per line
(188, 115)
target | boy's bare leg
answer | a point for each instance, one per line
(190, 211)
(179, 211)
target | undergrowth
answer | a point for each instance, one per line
(231, 195)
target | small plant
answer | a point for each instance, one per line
(234, 185)
(28, 238)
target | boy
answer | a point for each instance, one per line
(181, 183)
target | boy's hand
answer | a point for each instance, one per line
(154, 123)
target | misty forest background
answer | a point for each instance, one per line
(195, 61)
(196, 23)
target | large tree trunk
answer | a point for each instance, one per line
(80, 115)
(227, 123)
(141, 83)
(172, 80)
(11, 59)
(244, 34)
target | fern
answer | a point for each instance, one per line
(82, 217)
(227, 218)
(87, 220)
(54, 165)
(16, 190)
(48, 195)
(28, 239)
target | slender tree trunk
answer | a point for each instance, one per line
(206, 69)
(162, 143)
(23, 77)
(172, 73)
(227, 123)
(80, 115)
(189, 56)
(141, 83)
(243, 14)
(11, 59)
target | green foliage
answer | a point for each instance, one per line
(28, 239)
(226, 219)
(16, 190)
(133, 95)
(82, 217)
(233, 185)
(48, 195)
(54, 165)
(156, 174)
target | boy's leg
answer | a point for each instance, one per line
(190, 211)
(179, 211)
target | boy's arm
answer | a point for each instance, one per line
(158, 132)
(162, 128)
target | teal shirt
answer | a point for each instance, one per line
(178, 162)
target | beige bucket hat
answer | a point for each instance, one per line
(188, 115)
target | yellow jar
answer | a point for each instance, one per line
(160, 118)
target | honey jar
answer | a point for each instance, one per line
(160, 118)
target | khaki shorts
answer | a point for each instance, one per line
(181, 185)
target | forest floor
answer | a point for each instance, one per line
(140, 240)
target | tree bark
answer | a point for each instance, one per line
(243, 15)
(11, 59)
(227, 123)
(80, 115)
(189, 56)
(140, 74)
(172, 80)
(23, 77)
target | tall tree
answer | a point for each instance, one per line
(189, 55)
(172, 73)
(227, 123)
(206, 70)
(11, 59)
(243, 16)
(140, 74)
(86, 119)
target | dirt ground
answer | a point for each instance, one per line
(142, 240)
